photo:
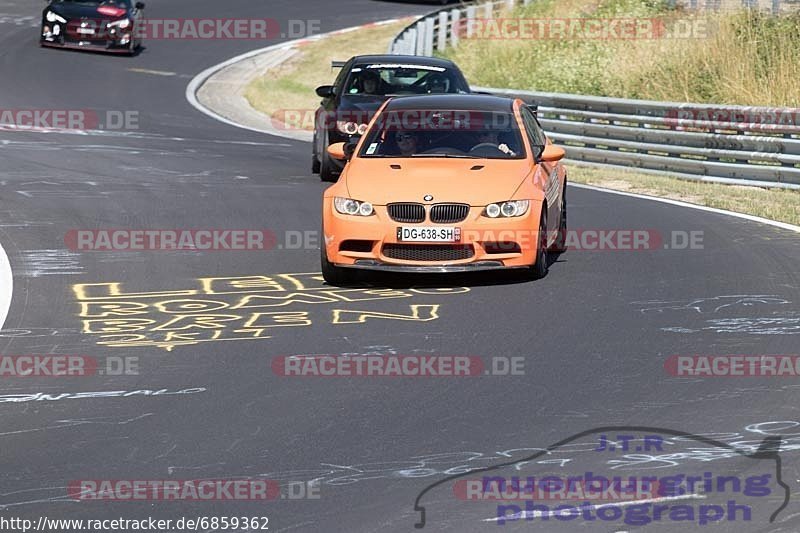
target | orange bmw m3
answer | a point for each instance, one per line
(446, 183)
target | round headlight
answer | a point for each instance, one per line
(362, 129)
(365, 210)
(350, 128)
(124, 23)
(351, 207)
(509, 209)
(493, 210)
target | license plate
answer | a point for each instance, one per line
(428, 234)
(86, 31)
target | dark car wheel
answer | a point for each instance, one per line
(539, 269)
(560, 246)
(315, 164)
(326, 169)
(332, 274)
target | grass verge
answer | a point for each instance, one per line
(290, 87)
(775, 204)
(742, 57)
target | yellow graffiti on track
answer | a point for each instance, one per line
(236, 308)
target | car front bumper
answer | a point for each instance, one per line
(486, 244)
(115, 42)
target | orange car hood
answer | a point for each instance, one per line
(446, 179)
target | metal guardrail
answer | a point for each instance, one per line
(728, 144)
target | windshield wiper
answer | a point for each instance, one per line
(441, 154)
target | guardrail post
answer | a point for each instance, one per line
(419, 43)
(471, 12)
(510, 5)
(488, 10)
(428, 46)
(441, 41)
(455, 26)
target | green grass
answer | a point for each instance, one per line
(775, 204)
(745, 57)
(291, 86)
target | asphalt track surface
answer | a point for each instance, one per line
(594, 334)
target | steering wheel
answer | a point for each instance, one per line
(484, 145)
(486, 149)
(444, 150)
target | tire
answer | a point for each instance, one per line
(315, 164)
(560, 246)
(538, 270)
(332, 274)
(326, 169)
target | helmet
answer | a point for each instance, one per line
(437, 83)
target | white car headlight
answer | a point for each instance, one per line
(512, 208)
(348, 206)
(54, 17)
(121, 24)
(350, 128)
(492, 211)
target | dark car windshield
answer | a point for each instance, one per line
(384, 78)
(450, 133)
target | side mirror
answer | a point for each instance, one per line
(343, 151)
(350, 148)
(139, 5)
(552, 153)
(325, 91)
(336, 151)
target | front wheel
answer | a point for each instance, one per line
(332, 274)
(315, 164)
(326, 169)
(539, 269)
(560, 246)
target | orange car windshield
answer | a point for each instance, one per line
(433, 133)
